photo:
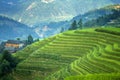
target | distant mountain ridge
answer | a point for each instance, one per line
(116, 1)
(112, 19)
(94, 14)
(32, 12)
(55, 27)
(11, 29)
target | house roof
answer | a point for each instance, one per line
(14, 41)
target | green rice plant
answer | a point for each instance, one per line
(73, 53)
(113, 76)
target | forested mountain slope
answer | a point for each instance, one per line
(11, 29)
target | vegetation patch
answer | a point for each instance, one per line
(115, 31)
(71, 53)
(114, 76)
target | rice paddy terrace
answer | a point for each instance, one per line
(73, 55)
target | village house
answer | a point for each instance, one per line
(14, 45)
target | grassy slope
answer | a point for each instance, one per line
(68, 54)
(115, 31)
(113, 76)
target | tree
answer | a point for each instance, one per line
(80, 24)
(7, 63)
(7, 56)
(30, 39)
(36, 40)
(2, 46)
(18, 39)
(5, 68)
(73, 25)
(62, 30)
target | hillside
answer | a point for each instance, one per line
(116, 1)
(78, 52)
(11, 29)
(110, 19)
(50, 29)
(94, 14)
(93, 18)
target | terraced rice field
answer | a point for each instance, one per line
(69, 54)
